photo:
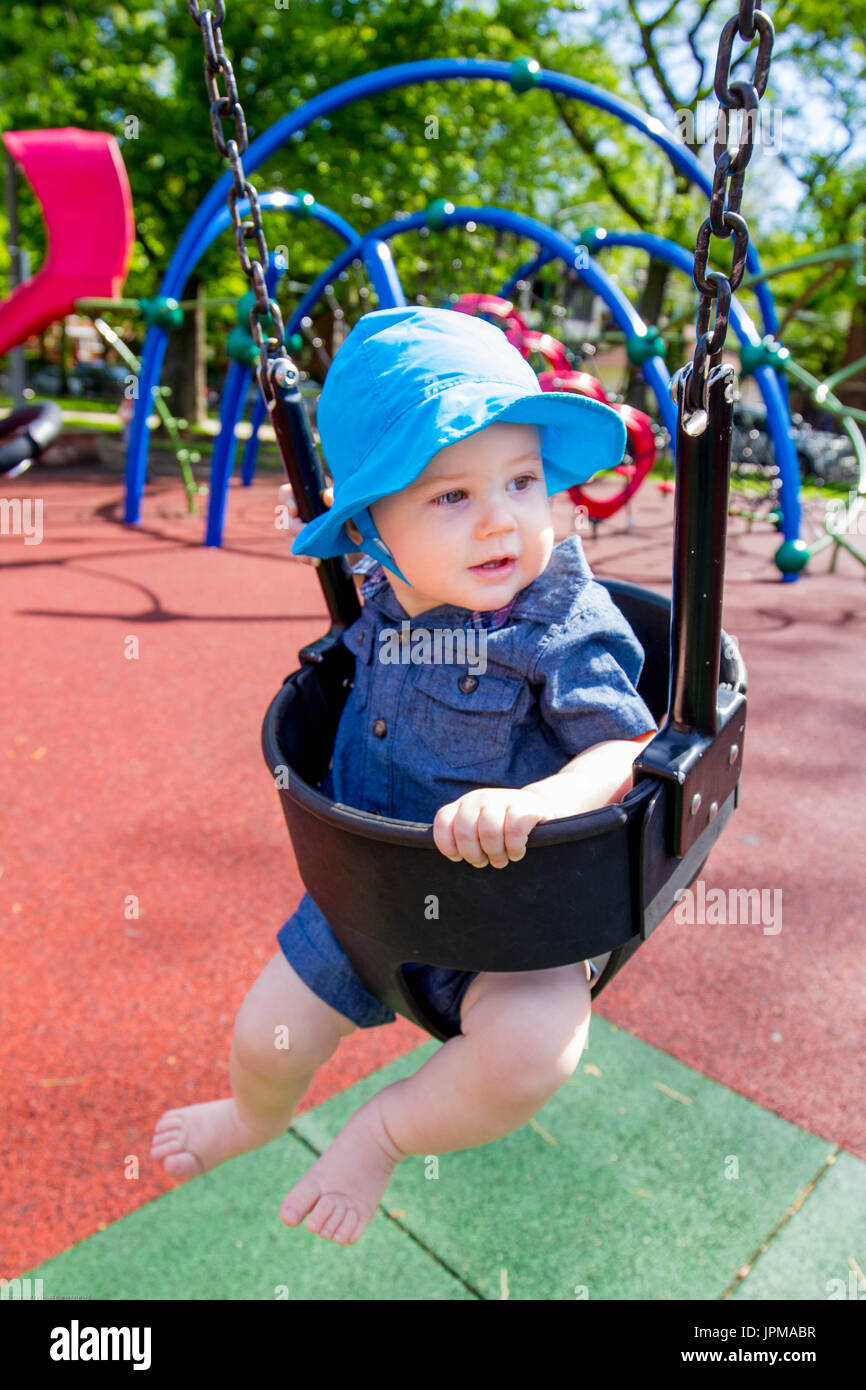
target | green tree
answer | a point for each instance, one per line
(97, 65)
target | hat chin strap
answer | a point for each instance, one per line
(374, 546)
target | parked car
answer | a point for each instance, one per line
(826, 456)
(96, 380)
(47, 381)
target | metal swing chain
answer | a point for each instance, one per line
(223, 107)
(725, 219)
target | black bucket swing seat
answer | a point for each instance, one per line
(591, 885)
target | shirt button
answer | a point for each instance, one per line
(467, 684)
(380, 728)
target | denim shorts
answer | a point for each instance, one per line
(316, 955)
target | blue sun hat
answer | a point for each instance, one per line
(409, 381)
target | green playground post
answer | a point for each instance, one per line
(184, 456)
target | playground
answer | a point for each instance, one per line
(710, 1146)
(736, 1039)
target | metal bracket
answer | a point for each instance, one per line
(701, 769)
(314, 652)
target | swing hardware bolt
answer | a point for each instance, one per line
(695, 424)
(713, 811)
(733, 755)
(696, 801)
(285, 373)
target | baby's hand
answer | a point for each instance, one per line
(489, 826)
(287, 500)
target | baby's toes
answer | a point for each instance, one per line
(169, 1142)
(322, 1213)
(302, 1199)
(344, 1235)
(183, 1165)
(172, 1119)
(335, 1221)
(166, 1135)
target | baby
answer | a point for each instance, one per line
(445, 455)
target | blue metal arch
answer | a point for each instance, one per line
(766, 303)
(197, 232)
(626, 316)
(520, 224)
(374, 250)
(156, 339)
(772, 388)
(377, 257)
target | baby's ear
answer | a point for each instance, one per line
(353, 531)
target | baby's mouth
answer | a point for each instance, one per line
(500, 563)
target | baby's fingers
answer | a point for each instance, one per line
(495, 839)
(287, 497)
(454, 833)
(516, 830)
(295, 526)
(443, 831)
(464, 830)
(503, 830)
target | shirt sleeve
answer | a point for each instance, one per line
(586, 676)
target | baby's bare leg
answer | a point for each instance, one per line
(523, 1035)
(522, 1038)
(268, 1077)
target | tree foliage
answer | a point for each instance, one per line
(95, 65)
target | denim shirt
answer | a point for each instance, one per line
(552, 674)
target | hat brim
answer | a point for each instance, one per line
(579, 438)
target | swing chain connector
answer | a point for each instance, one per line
(265, 312)
(725, 219)
(694, 422)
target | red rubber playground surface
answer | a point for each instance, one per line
(146, 866)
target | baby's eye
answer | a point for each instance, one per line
(457, 492)
(526, 479)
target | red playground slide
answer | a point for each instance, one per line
(81, 183)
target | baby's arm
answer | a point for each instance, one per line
(597, 777)
(585, 673)
(491, 825)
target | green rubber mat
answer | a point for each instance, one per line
(640, 1179)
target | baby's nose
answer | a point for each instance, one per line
(497, 515)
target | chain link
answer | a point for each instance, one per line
(725, 219)
(225, 106)
(766, 35)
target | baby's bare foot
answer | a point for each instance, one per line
(343, 1188)
(200, 1137)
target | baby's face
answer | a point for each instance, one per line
(475, 527)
